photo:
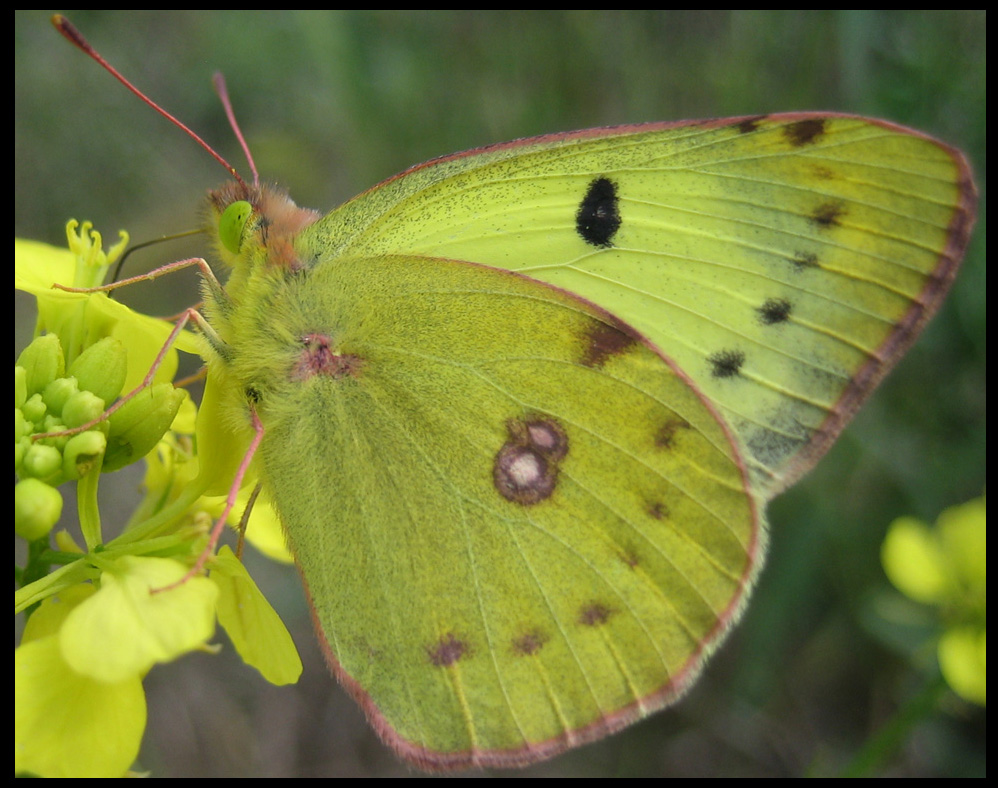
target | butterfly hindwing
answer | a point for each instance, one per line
(528, 529)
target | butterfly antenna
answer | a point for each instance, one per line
(223, 95)
(74, 37)
(121, 260)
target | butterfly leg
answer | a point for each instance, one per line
(230, 502)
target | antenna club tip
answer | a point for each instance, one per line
(67, 29)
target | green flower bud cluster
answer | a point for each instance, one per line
(49, 397)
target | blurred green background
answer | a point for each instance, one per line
(333, 102)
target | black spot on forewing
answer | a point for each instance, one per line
(774, 310)
(598, 217)
(604, 341)
(804, 260)
(447, 651)
(822, 173)
(804, 131)
(726, 363)
(525, 469)
(828, 214)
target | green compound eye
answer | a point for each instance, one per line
(232, 224)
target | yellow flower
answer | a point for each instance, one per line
(946, 566)
(105, 616)
(81, 319)
(67, 724)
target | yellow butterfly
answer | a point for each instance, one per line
(522, 407)
(528, 505)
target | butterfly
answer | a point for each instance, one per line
(522, 407)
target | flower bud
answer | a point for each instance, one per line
(58, 391)
(37, 507)
(42, 361)
(53, 423)
(41, 461)
(22, 427)
(140, 423)
(101, 368)
(20, 386)
(21, 446)
(82, 408)
(82, 452)
(34, 409)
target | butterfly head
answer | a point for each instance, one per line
(256, 225)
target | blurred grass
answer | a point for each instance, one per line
(333, 102)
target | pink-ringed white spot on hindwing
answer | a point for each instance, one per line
(525, 470)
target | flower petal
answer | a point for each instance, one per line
(913, 561)
(963, 661)
(123, 629)
(254, 627)
(69, 725)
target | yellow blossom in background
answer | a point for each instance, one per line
(946, 566)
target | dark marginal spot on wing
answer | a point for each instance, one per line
(604, 341)
(804, 131)
(525, 469)
(630, 558)
(529, 643)
(666, 436)
(774, 310)
(658, 510)
(447, 651)
(318, 358)
(750, 124)
(594, 614)
(772, 446)
(804, 260)
(726, 363)
(598, 217)
(828, 214)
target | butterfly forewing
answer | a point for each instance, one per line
(783, 263)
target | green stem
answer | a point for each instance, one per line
(157, 523)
